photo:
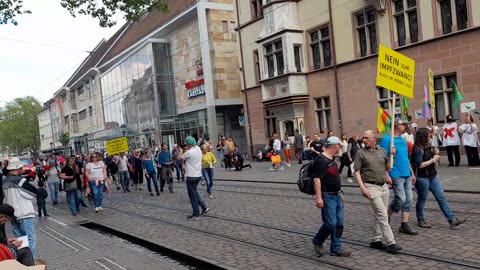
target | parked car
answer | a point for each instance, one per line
(29, 170)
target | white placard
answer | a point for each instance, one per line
(475, 113)
(467, 106)
(418, 114)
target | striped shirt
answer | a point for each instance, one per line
(372, 164)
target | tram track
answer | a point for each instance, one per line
(424, 256)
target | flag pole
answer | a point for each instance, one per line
(392, 126)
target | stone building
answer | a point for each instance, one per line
(312, 64)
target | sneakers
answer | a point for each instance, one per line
(281, 169)
(96, 209)
(100, 208)
(151, 194)
(454, 223)
(423, 224)
(318, 249)
(193, 217)
(203, 182)
(158, 193)
(211, 196)
(271, 169)
(289, 165)
(407, 230)
(205, 211)
(341, 253)
(394, 248)
(378, 245)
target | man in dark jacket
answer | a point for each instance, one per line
(298, 144)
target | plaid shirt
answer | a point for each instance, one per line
(372, 164)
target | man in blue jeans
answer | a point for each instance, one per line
(193, 172)
(329, 198)
(401, 174)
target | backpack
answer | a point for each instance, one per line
(305, 179)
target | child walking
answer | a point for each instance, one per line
(41, 196)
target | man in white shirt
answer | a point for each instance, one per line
(470, 140)
(193, 172)
(123, 167)
(451, 141)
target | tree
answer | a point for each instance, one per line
(19, 124)
(64, 140)
(102, 10)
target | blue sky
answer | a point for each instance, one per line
(29, 68)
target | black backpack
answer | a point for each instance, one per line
(305, 179)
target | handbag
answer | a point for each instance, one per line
(70, 186)
(276, 159)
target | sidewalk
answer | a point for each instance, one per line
(453, 178)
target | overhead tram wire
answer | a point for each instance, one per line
(42, 44)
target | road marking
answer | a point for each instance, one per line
(58, 222)
(474, 168)
(58, 239)
(449, 179)
(71, 240)
(114, 263)
(101, 264)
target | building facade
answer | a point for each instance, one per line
(160, 79)
(312, 66)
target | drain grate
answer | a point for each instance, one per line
(182, 259)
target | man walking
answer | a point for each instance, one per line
(401, 174)
(123, 171)
(329, 198)
(165, 161)
(371, 174)
(20, 194)
(298, 144)
(193, 172)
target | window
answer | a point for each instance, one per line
(83, 114)
(64, 98)
(73, 100)
(274, 58)
(444, 97)
(324, 113)
(297, 57)
(228, 30)
(256, 59)
(366, 32)
(90, 111)
(385, 100)
(257, 11)
(320, 46)
(289, 128)
(270, 123)
(67, 122)
(460, 9)
(75, 122)
(405, 14)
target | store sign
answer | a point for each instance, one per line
(196, 92)
(191, 84)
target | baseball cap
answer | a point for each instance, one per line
(333, 140)
(14, 164)
(7, 210)
(190, 140)
(399, 121)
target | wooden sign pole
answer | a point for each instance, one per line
(392, 127)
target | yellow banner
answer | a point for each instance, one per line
(395, 72)
(431, 90)
(117, 146)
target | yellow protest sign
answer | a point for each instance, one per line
(117, 146)
(431, 90)
(395, 72)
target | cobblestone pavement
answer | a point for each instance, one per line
(253, 226)
(453, 178)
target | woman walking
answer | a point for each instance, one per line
(208, 159)
(424, 162)
(176, 152)
(344, 160)
(286, 148)
(277, 150)
(96, 172)
(137, 165)
(470, 140)
(226, 155)
(53, 180)
(150, 174)
(72, 177)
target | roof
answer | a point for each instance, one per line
(147, 24)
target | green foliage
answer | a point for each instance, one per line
(19, 124)
(64, 138)
(102, 10)
(10, 9)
